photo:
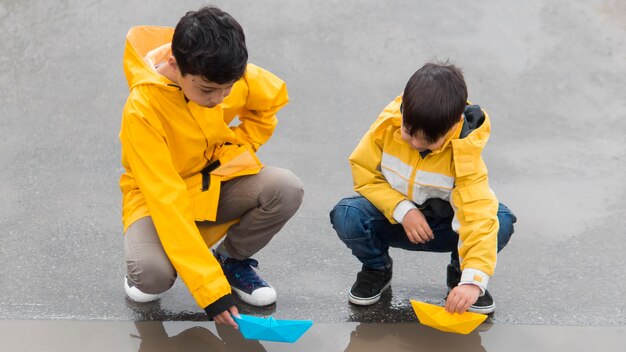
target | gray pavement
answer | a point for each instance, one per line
(550, 73)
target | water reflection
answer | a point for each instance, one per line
(154, 338)
(410, 337)
(364, 337)
(400, 332)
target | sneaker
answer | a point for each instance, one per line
(369, 285)
(135, 295)
(483, 305)
(244, 280)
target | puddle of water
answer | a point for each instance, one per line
(152, 336)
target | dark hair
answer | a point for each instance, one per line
(210, 43)
(434, 99)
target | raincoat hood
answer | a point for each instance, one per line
(146, 46)
(472, 140)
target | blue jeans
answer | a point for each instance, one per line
(366, 231)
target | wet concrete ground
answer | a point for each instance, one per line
(551, 75)
(154, 336)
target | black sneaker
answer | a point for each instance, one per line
(483, 305)
(369, 285)
(248, 285)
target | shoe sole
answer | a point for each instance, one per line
(252, 301)
(360, 301)
(138, 297)
(482, 310)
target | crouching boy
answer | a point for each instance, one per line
(191, 175)
(423, 186)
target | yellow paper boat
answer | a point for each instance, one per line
(437, 317)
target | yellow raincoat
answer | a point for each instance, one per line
(387, 171)
(168, 141)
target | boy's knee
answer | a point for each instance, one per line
(151, 276)
(506, 218)
(348, 221)
(292, 189)
(285, 187)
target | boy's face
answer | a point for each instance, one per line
(419, 142)
(203, 92)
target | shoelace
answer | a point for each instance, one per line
(247, 275)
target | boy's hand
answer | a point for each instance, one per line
(416, 227)
(225, 317)
(461, 298)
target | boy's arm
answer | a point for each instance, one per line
(168, 201)
(368, 179)
(266, 95)
(476, 221)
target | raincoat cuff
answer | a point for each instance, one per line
(401, 209)
(222, 304)
(475, 277)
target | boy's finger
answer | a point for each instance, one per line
(449, 308)
(465, 307)
(226, 319)
(409, 234)
(452, 302)
(424, 235)
(449, 300)
(413, 237)
(427, 231)
(234, 311)
(230, 321)
(460, 308)
(457, 308)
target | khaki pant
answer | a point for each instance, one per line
(263, 203)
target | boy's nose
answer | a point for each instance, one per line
(215, 101)
(217, 98)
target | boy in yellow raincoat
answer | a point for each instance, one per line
(190, 178)
(423, 187)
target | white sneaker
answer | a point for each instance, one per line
(243, 280)
(137, 296)
(260, 297)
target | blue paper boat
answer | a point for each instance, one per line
(270, 329)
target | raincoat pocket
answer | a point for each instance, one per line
(204, 188)
(235, 161)
(204, 200)
(478, 202)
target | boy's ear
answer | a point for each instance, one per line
(172, 62)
